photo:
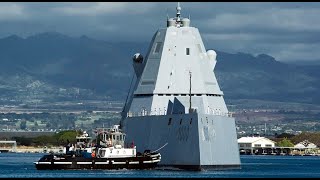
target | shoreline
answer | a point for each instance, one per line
(31, 149)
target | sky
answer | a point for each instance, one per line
(287, 31)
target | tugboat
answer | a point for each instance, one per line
(108, 153)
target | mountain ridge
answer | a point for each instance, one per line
(102, 68)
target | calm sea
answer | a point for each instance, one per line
(20, 165)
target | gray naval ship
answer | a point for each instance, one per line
(176, 106)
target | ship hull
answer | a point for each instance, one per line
(187, 141)
(67, 162)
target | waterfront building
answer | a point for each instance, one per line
(250, 142)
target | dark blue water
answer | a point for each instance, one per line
(20, 165)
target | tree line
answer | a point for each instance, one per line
(289, 140)
(58, 139)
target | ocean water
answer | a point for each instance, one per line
(20, 165)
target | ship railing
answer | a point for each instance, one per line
(145, 113)
(135, 114)
(228, 114)
(106, 130)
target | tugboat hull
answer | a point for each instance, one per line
(140, 162)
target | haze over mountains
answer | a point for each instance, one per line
(51, 66)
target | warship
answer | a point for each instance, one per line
(175, 103)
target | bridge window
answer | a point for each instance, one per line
(147, 82)
(188, 51)
(170, 119)
(158, 47)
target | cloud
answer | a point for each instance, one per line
(282, 47)
(297, 51)
(103, 8)
(269, 19)
(89, 9)
(11, 11)
(286, 31)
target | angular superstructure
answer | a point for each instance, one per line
(176, 104)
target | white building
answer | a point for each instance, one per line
(305, 144)
(255, 142)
